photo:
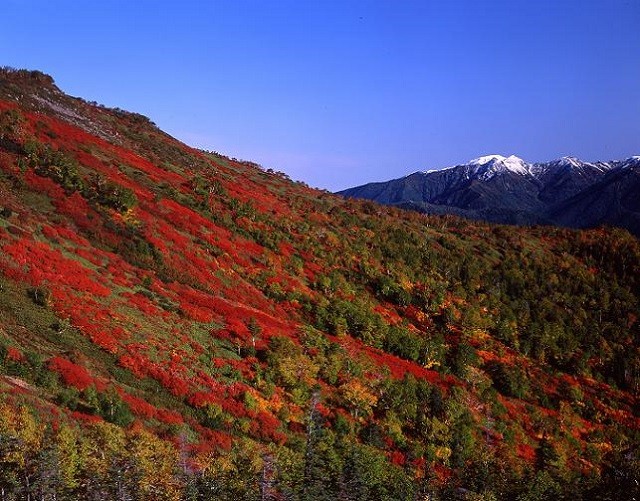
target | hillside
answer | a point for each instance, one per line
(176, 324)
(565, 192)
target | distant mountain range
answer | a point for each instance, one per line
(563, 192)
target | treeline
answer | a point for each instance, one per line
(96, 460)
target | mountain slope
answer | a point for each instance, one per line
(177, 324)
(509, 190)
(612, 200)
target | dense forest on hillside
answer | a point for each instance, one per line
(177, 324)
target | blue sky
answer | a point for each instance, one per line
(339, 93)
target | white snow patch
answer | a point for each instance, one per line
(572, 161)
(488, 166)
(486, 159)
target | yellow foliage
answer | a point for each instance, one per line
(359, 397)
(431, 363)
(297, 368)
(443, 453)
(100, 444)
(129, 218)
(406, 284)
(420, 315)
(155, 461)
(69, 457)
(23, 426)
(261, 403)
(28, 429)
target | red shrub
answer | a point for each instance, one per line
(14, 354)
(87, 418)
(169, 417)
(72, 374)
(265, 426)
(398, 458)
(139, 406)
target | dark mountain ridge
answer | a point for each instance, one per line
(511, 191)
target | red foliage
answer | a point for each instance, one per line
(87, 418)
(72, 374)
(78, 209)
(14, 354)
(36, 262)
(143, 304)
(212, 440)
(265, 426)
(201, 398)
(169, 417)
(397, 366)
(139, 406)
(526, 452)
(388, 313)
(397, 458)
(419, 463)
(196, 313)
(135, 362)
(177, 386)
(75, 243)
(44, 185)
(295, 427)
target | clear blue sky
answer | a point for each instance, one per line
(339, 93)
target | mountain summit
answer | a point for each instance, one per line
(496, 164)
(565, 192)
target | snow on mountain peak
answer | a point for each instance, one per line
(633, 161)
(488, 166)
(494, 164)
(571, 161)
(486, 159)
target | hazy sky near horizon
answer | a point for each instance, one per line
(340, 93)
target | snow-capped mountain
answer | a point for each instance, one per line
(510, 190)
(490, 165)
